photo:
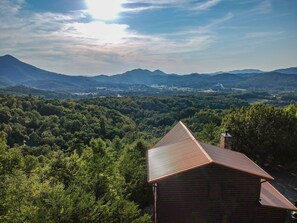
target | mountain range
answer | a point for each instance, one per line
(14, 72)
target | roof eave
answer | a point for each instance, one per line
(178, 172)
(266, 177)
(278, 207)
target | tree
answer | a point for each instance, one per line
(265, 133)
(102, 127)
(5, 115)
(132, 166)
(210, 133)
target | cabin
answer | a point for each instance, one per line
(194, 182)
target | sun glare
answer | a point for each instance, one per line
(104, 9)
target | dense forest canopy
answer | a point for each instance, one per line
(84, 160)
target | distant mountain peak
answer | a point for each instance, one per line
(291, 70)
(136, 70)
(142, 72)
(8, 57)
(245, 71)
(159, 72)
(15, 72)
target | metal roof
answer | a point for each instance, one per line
(179, 150)
(176, 134)
(272, 198)
(234, 160)
(175, 158)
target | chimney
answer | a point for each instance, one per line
(226, 140)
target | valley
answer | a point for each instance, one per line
(15, 73)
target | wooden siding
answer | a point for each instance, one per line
(269, 215)
(209, 194)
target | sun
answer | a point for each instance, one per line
(104, 9)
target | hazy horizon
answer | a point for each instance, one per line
(139, 68)
(89, 37)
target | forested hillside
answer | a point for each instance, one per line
(84, 160)
(15, 73)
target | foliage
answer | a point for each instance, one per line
(264, 133)
(66, 125)
(155, 115)
(84, 160)
(68, 188)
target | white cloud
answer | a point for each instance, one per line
(184, 4)
(98, 32)
(10, 6)
(159, 2)
(208, 4)
(63, 43)
(263, 7)
(262, 34)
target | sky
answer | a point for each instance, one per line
(92, 37)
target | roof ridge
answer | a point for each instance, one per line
(293, 208)
(182, 140)
(196, 142)
(279, 193)
(203, 150)
(272, 178)
(165, 139)
(264, 174)
(187, 130)
(169, 144)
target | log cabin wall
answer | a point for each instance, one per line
(269, 214)
(211, 194)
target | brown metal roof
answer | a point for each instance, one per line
(271, 197)
(234, 160)
(176, 134)
(174, 158)
(179, 151)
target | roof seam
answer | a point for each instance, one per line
(197, 143)
(156, 145)
(271, 177)
(261, 173)
(205, 153)
(187, 130)
(288, 205)
(279, 192)
(177, 172)
(169, 144)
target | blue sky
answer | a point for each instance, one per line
(92, 37)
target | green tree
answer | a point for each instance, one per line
(265, 133)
